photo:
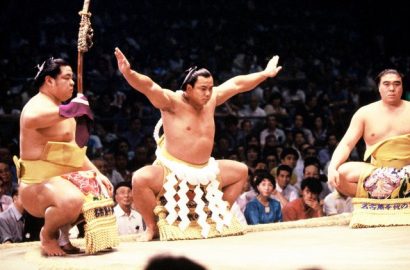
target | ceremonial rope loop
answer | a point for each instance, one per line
(85, 33)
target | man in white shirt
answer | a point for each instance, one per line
(129, 221)
(289, 192)
(272, 129)
(12, 221)
(254, 111)
(336, 203)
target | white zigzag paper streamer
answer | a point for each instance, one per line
(182, 203)
(199, 209)
(169, 194)
(212, 197)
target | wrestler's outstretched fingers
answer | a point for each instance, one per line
(272, 69)
(118, 53)
(122, 61)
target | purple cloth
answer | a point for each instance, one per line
(80, 109)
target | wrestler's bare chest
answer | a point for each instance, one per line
(61, 132)
(380, 126)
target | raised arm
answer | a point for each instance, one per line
(160, 98)
(243, 83)
(345, 147)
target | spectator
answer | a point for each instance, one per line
(12, 221)
(129, 221)
(101, 165)
(325, 153)
(289, 157)
(252, 157)
(308, 206)
(337, 203)
(134, 135)
(254, 111)
(231, 132)
(5, 200)
(274, 106)
(271, 161)
(141, 158)
(121, 164)
(319, 131)
(289, 193)
(299, 125)
(5, 178)
(272, 129)
(111, 170)
(263, 209)
(312, 170)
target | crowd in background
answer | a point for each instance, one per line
(330, 53)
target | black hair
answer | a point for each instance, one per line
(172, 263)
(14, 192)
(50, 67)
(299, 131)
(313, 184)
(311, 161)
(283, 167)
(289, 151)
(122, 184)
(388, 71)
(261, 175)
(192, 76)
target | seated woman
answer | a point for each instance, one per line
(263, 209)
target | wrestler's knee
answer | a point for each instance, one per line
(141, 177)
(138, 179)
(72, 205)
(350, 171)
(243, 171)
(147, 176)
(343, 169)
(348, 178)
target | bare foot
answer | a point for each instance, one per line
(70, 249)
(148, 235)
(50, 246)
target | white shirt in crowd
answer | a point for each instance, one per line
(335, 204)
(131, 224)
(290, 192)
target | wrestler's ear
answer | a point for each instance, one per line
(49, 80)
(188, 87)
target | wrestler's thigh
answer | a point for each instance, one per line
(58, 192)
(151, 176)
(349, 174)
(350, 171)
(232, 171)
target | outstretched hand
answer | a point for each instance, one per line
(123, 64)
(272, 69)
